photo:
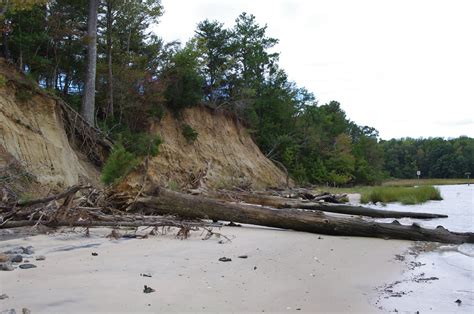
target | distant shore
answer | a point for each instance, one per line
(412, 182)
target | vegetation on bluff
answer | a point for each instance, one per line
(234, 69)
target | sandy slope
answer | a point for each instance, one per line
(224, 152)
(285, 271)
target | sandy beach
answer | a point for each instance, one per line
(284, 271)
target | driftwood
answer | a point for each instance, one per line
(94, 209)
(305, 194)
(280, 202)
(71, 191)
(90, 210)
(118, 223)
(189, 206)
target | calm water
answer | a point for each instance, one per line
(452, 265)
(457, 203)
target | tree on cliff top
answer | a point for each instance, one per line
(88, 100)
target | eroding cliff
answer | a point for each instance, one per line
(32, 132)
(33, 136)
(223, 155)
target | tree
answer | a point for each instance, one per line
(109, 17)
(213, 42)
(250, 45)
(183, 81)
(12, 6)
(88, 102)
(129, 55)
(251, 61)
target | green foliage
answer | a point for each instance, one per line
(23, 95)
(127, 154)
(434, 157)
(118, 165)
(213, 43)
(405, 195)
(234, 68)
(183, 82)
(140, 143)
(3, 80)
(174, 186)
(189, 133)
(157, 111)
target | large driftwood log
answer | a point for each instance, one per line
(281, 202)
(188, 206)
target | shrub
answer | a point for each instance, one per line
(3, 80)
(189, 133)
(157, 111)
(23, 95)
(173, 186)
(118, 165)
(138, 143)
(142, 144)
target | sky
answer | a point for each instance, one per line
(405, 67)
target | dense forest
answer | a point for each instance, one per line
(102, 58)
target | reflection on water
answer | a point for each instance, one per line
(451, 265)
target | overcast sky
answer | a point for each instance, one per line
(405, 67)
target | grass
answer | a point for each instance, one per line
(404, 195)
(407, 195)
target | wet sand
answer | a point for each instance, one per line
(439, 280)
(284, 271)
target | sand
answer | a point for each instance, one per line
(285, 271)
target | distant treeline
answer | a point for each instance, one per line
(140, 77)
(434, 157)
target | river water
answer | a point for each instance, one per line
(457, 203)
(443, 274)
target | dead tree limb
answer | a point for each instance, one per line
(100, 223)
(70, 191)
(188, 206)
(281, 202)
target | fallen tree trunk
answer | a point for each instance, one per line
(188, 206)
(100, 223)
(281, 202)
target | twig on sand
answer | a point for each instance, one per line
(218, 235)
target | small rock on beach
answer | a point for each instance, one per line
(17, 259)
(4, 258)
(21, 250)
(7, 266)
(147, 289)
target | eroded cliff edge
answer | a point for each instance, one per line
(32, 135)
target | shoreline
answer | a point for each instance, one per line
(285, 271)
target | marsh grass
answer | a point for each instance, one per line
(404, 195)
(416, 182)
